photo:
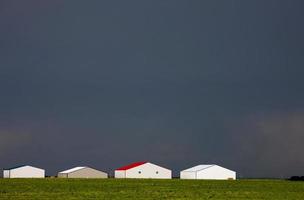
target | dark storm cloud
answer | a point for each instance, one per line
(10, 141)
(271, 140)
(174, 82)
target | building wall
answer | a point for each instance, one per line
(216, 173)
(62, 175)
(6, 173)
(149, 170)
(26, 172)
(120, 174)
(87, 173)
(187, 175)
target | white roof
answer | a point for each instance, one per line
(71, 170)
(203, 167)
(198, 168)
(21, 166)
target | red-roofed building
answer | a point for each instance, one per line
(143, 170)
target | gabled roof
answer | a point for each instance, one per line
(132, 165)
(198, 168)
(203, 167)
(72, 170)
(14, 167)
(19, 166)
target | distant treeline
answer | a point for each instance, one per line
(297, 178)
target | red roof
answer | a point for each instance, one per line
(132, 165)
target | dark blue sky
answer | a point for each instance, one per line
(178, 83)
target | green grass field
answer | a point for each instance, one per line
(148, 189)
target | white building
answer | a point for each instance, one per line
(211, 172)
(143, 170)
(82, 172)
(24, 171)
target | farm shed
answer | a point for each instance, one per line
(143, 170)
(82, 172)
(24, 171)
(212, 172)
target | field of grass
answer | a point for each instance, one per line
(67, 189)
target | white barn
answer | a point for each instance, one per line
(143, 170)
(211, 172)
(24, 171)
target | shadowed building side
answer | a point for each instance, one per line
(82, 172)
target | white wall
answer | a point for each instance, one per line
(5, 173)
(120, 174)
(26, 172)
(149, 170)
(187, 175)
(216, 173)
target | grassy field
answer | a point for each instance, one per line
(148, 189)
